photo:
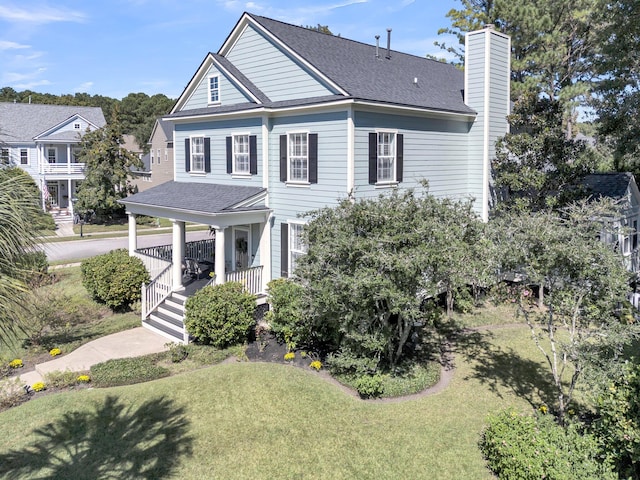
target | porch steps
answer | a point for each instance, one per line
(168, 319)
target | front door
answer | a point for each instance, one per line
(53, 193)
(241, 248)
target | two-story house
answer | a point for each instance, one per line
(283, 120)
(44, 141)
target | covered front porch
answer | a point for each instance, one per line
(238, 250)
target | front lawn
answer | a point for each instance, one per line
(262, 421)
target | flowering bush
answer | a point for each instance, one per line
(17, 363)
(83, 379)
(38, 386)
(316, 364)
(543, 409)
(289, 356)
(55, 351)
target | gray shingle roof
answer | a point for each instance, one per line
(21, 122)
(241, 78)
(354, 67)
(198, 197)
(609, 185)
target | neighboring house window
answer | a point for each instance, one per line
(4, 156)
(166, 156)
(634, 235)
(152, 156)
(386, 157)
(76, 126)
(52, 155)
(292, 247)
(158, 155)
(24, 156)
(299, 158)
(197, 154)
(242, 154)
(214, 89)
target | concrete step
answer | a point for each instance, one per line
(163, 329)
(168, 320)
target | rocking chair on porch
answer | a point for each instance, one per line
(192, 268)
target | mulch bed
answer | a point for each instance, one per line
(268, 349)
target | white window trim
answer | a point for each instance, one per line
(290, 182)
(234, 172)
(209, 101)
(20, 155)
(291, 251)
(151, 157)
(2, 157)
(191, 150)
(247, 230)
(55, 149)
(77, 126)
(394, 180)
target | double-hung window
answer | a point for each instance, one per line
(214, 89)
(297, 247)
(385, 157)
(241, 154)
(197, 154)
(4, 156)
(298, 158)
(24, 156)
(52, 155)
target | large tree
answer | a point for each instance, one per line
(551, 45)
(138, 113)
(584, 281)
(618, 90)
(371, 264)
(108, 170)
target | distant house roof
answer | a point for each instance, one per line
(163, 126)
(401, 80)
(609, 185)
(22, 122)
(197, 197)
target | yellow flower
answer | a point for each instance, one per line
(83, 379)
(543, 409)
(17, 363)
(316, 364)
(55, 351)
(38, 387)
(289, 356)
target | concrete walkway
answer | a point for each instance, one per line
(129, 343)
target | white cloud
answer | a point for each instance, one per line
(6, 45)
(39, 14)
(30, 85)
(83, 87)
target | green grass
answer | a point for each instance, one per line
(263, 421)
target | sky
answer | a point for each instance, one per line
(117, 47)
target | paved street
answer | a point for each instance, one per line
(80, 249)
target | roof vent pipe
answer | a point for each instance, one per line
(388, 43)
(377, 46)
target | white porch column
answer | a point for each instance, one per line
(68, 158)
(178, 254)
(133, 234)
(219, 259)
(265, 253)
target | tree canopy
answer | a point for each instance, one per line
(108, 170)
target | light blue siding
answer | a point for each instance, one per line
(289, 201)
(230, 94)
(434, 150)
(217, 132)
(272, 70)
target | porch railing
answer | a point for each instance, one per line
(200, 250)
(251, 278)
(155, 293)
(62, 168)
(155, 265)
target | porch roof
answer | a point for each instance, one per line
(204, 198)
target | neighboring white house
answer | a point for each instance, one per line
(284, 120)
(44, 141)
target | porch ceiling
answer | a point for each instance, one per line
(209, 204)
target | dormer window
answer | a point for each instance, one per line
(214, 89)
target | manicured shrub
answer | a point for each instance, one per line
(286, 310)
(369, 386)
(527, 447)
(220, 315)
(127, 371)
(114, 278)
